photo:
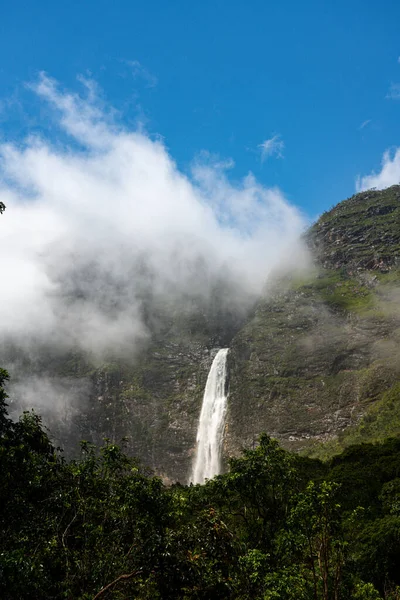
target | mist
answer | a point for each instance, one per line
(100, 218)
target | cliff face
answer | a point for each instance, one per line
(154, 399)
(325, 351)
(317, 360)
(150, 399)
(362, 233)
(154, 404)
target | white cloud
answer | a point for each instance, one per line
(387, 176)
(62, 397)
(95, 232)
(364, 123)
(139, 71)
(274, 146)
(394, 92)
(82, 118)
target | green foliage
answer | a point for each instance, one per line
(381, 421)
(338, 290)
(315, 528)
(365, 591)
(390, 496)
(276, 526)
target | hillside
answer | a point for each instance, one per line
(317, 360)
(321, 352)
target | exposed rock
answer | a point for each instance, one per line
(313, 359)
(314, 356)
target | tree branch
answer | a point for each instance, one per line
(123, 577)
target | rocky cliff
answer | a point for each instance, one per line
(317, 360)
(150, 400)
(323, 351)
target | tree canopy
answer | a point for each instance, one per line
(275, 526)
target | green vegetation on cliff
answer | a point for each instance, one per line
(381, 420)
(361, 232)
(320, 359)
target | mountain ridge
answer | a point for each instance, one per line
(307, 363)
(315, 356)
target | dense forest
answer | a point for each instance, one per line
(276, 525)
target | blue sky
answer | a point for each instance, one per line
(303, 95)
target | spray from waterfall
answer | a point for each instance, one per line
(210, 430)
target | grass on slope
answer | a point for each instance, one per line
(381, 421)
(338, 290)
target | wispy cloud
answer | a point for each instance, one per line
(273, 146)
(364, 123)
(394, 92)
(387, 176)
(140, 72)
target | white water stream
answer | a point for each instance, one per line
(210, 430)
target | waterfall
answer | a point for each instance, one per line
(210, 430)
